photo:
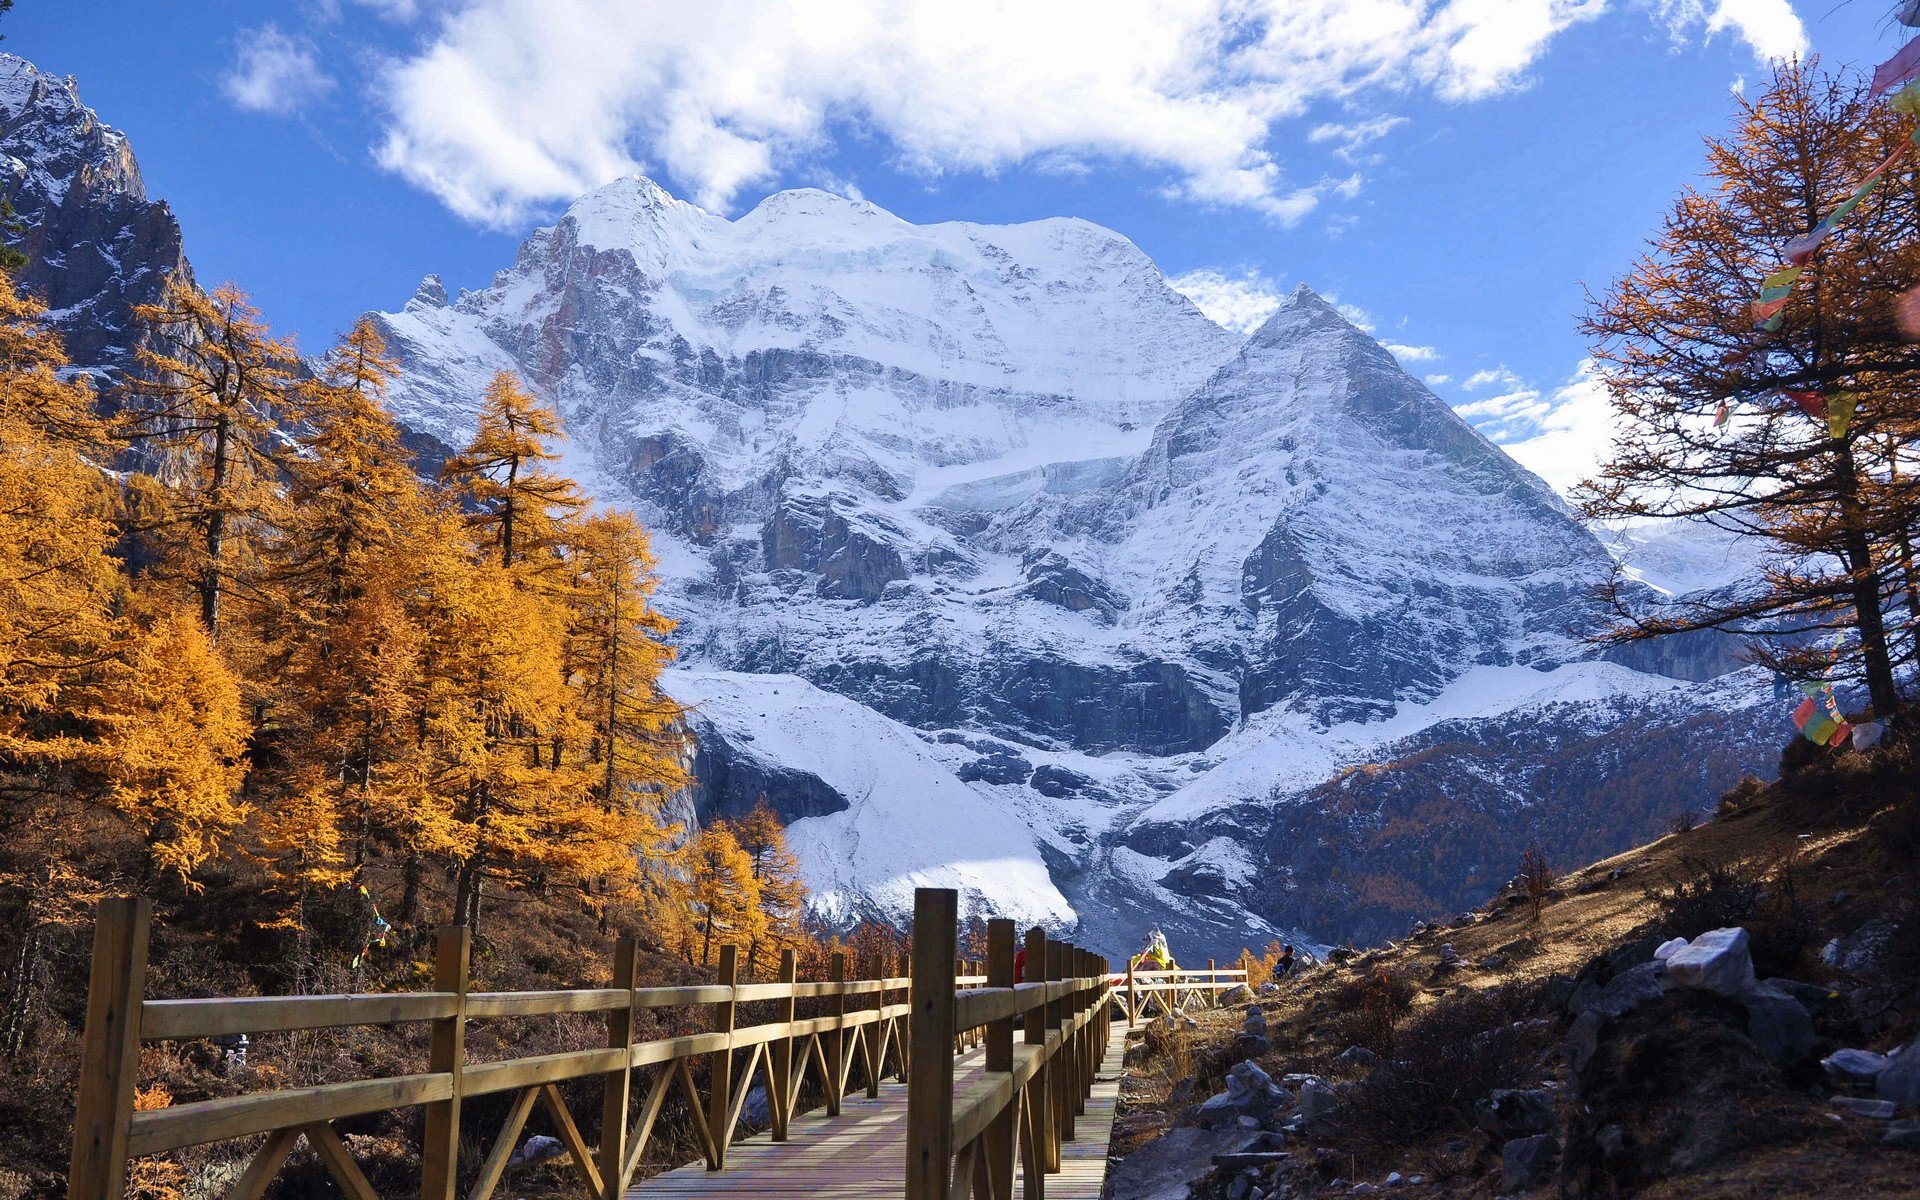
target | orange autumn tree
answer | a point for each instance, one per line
(634, 744)
(1815, 455)
(517, 502)
(722, 891)
(205, 411)
(776, 875)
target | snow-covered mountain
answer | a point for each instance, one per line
(95, 245)
(1000, 566)
(963, 514)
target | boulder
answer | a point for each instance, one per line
(1623, 993)
(1527, 1161)
(1855, 1066)
(1778, 1024)
(1167, 1167)
(1317, 1099)
(1239, 993)
(1718, 961)
(1900, 1080)
(1514, 1112)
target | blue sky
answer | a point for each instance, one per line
(1454, 171)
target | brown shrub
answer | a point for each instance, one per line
(1536, 879)
(1444, 1058)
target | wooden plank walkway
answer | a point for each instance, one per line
(862, 1153)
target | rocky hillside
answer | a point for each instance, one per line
(1729, 1011)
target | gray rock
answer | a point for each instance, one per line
(1904, 1134)
(1317, 1099)
(1493, 962)
(1717, 961)
(1356, 1056)
(1625, 992)
(1527, 1161)
(1900, 1081)
(1778, 1024)
(1239, 993)
(1855, 1066)
(1165, 1168)
(1878, 1110)
(1515, 1113)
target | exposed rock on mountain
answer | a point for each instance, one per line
(96, 246)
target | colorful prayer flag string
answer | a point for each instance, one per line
(375, 937)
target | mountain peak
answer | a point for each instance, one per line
(1303, 311)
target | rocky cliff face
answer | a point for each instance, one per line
(1147, 588)
(96, 246)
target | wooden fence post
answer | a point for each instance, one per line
(440, 1147)
(780, 1078)
(1061, 1126)
(1133, 1005)
(836, 1081)
(936, 913)
(110, 1053)
(1036, 1130)
(1000, 1135)
(874, 966)
(1213, 985)
(619, 1084)
(1082, 1036)
(720, 1062)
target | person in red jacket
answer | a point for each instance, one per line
(1020, 965)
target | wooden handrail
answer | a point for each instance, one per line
(969, 1144)
(863, 1021)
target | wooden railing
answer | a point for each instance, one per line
(862, 1021)
(1171, 991)
(964, 1143)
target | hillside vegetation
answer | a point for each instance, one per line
(1545, 1014)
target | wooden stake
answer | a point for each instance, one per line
(930, 1086)
(720, 1064)
(440, 1147)
(110, 1051)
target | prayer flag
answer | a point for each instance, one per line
(1909, 13)
(1812, 403)
(1840, 415)
(1762, 309)
(1901, 67)
(1839, 734)
(1777, 292)
(1720, 416)
(1785, 276)
(1798, 250)
(1772, 324)
(1819, 729)
(1804, 713)
(1868, 735)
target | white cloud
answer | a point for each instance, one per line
(513, 104)
(1241, 303)
(1437, 379)
(1412, 354)
(1491, 376)
(1770, 28)
(275, 73)
(1562, 436)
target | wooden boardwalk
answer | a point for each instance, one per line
(862, 1153)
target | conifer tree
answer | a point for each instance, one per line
(1676, 340)
(722, 892)
(517, 501)
(776, 875)
(205, 403)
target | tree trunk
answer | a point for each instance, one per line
(1881, 689)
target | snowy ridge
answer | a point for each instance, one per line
(999, 564)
